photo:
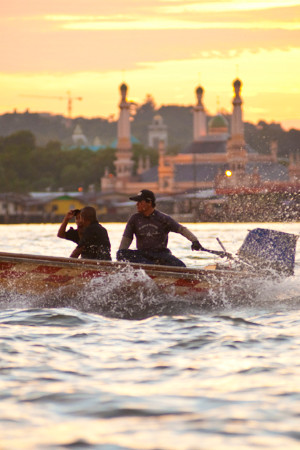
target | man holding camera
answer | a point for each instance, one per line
(91, 238)
(71, 234)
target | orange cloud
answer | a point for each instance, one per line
(69, 51)
(86, 45)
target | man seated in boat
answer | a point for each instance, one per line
(71, 234)
(94, 242)
(151, 228)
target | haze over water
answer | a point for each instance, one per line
(218, 378)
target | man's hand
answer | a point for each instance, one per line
(196, 246)
(226, 255)
(69, 215)
(62, 229)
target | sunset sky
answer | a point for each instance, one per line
(165, 48)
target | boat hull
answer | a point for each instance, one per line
(35, 275)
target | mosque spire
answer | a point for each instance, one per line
(199, 116)
(236, 150)
(123, 162)
(124, 140)
(237, 125)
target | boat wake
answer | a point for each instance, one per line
(132, 294)
(283, 294)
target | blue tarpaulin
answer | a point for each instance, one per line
(271, 249)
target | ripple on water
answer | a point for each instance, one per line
(179, 377)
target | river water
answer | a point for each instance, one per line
(212, 379)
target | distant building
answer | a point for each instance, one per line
(96, 145)
(78, 138)
(11, 207)
(157, 132)
(53, 206)
(60, 205)
(217, 158)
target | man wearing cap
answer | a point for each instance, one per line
(151, 228)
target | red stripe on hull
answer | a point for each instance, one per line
(58, 278)
(12, 274)
(46, 269)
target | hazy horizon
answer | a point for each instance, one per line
(114, 118)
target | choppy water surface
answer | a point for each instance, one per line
(191, 379)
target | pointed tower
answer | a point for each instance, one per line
(124, 141)
(123, 162)
(199, 116)
(236, 150)
(237, 124)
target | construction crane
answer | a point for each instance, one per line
(69, 98)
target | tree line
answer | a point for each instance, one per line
(27, 167)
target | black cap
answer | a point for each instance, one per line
(144, 194)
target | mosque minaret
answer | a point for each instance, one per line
(236, 149)
(199, 116)
(124, 141)
(237, 124)
(123, 163)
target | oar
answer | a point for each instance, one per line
(218, 253)
(221, 245)
(222, 254)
